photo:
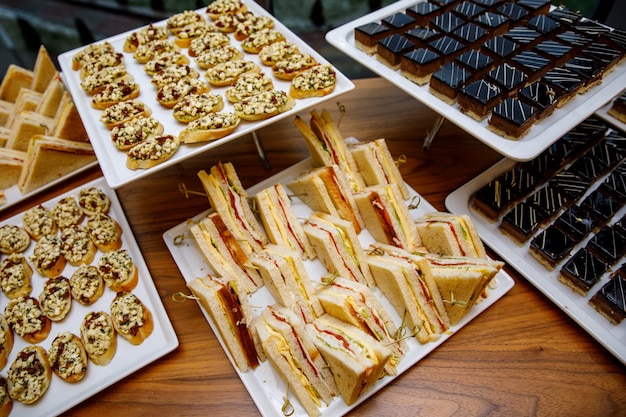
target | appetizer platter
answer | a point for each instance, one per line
(98, 370)
(150, 89)
(576, 281)
(267, 389)
(542, 133)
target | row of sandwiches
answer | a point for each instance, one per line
(332, 335)
(42, 137)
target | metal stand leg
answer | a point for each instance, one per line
(260, 150)
(430, 136)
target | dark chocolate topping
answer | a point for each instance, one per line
(482, 91)
(543, 23)
(539, 94)
(563, 79)
(422, 34)
(396, 43)
(423, 8)
(553, 48)
(600, 205)
(531, 61)
(447, 22)
(524, 218)
(609, 243)
(474, 59)
(446, 45)
(548, 199)
(552, 243)
(523, 35)
(573, 38)
(513, 11)
(576, 221)
(372, 28)
(491, 19)
(470, 32)
(422, 56)
(570, 184)
(452, 75)
(507, 76)
(398, 20)
(468, 9)
(586, 268)
(614, 292)
(500, 46)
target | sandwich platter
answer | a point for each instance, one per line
(264, 385)
(541, 135)
(113, 162)
(61, 396)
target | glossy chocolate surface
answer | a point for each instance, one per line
(552, 244)
(584, 270)
(576, 222)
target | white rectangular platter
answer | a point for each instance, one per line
(263, 384)
(574, 305)
(113, 161)
(62, 396)
(540, 136)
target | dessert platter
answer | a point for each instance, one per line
(113, 161)
(563, 231)
(263, 383)
(467, 61)
(127, 358)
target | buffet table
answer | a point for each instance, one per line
(523, 356)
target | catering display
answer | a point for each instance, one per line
(42, 139)
(516, 75)
(559, 219)
(322, 298)
(195, 80)
(79, 309)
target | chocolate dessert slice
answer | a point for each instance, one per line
(447, 22)
(535, 7)
(570, 185)
(447, 47)
(524, 36)
(391, 49)
(610, 300)
(551, 246)
(471, 35)
(495, 23)
(589, 70)
(548, 199)
(512, 118)
(558, 52)
(541, 96)
(576, 222)
(421, 36)
(532, 64)
(508, 77)
(446, 82)
(467, 10)
(543, 24)
(398, 22)
(366, 36)
(478, 98)
(615, 183)
(582, 271)
(499, 48)
(477, 62)
(601, 206)
(609, 244)
(423, 12)
(419, 64)
(521, 222)
(513, 11)
(565, 81)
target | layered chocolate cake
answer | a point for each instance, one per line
(398, 22)
(513, 11)
(422, 36)
(509, 78)
(446, 82)
(582, 271)
(566, 82)
(570, 185)
(478, 98)
(447, 47)
(551, 246)
(589, 70)
(618, 108)
(521, 222)
(576, 222)
(512, 118)
(366, 36)
(495, 23)
(477, 62)
(532, 64)
(600, 205)
(499, 48)
(467, 10)
(391, 49)
(609, 244)
(610, 300)
(615, 183)
(419, 64)
(548, 200)
(543, 24)
(524, 36)
(541, 96)
(557, 52)
(447, 22)
(423, 12)
(535, 7)
(471, 35)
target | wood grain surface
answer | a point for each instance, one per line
(521, 357)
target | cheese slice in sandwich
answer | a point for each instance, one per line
(292, 353)
(328, 147)
(11, 163)
(462, 281)
(228, 197)
(356, 360)
(356, 304)
(49, 158)
(230, 312)
(450, 234)
(377, 166)
(387, 216)
(337, 246)
(224, 252)
(414, 295)
(280, 221)
(326, 189)
(287, 280)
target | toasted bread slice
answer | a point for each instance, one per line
(14, 80)
(44, 70)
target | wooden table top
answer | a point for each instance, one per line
(521, 357)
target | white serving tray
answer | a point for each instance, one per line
(61, 396)
(263, 384)
(573, 304)
(603, 112)
(113, 161)
(540, 136)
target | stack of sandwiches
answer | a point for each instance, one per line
(335, 331)
(41, 133)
